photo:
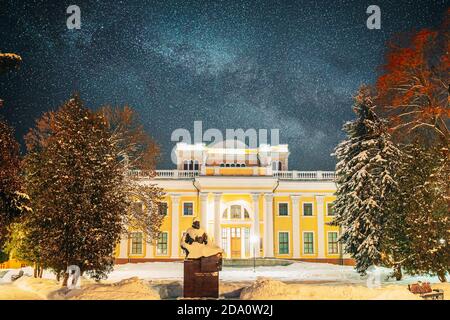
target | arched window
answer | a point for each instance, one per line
(232, 165)
(225, 214)
(243, 165)
(235, 212)
(222, 164)
(238, 165)
(246, 215)
(227, 165)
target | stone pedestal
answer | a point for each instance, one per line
(201, 277)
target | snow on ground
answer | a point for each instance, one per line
(162, 280)
(296, 272)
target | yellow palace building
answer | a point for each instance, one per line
(247, 200)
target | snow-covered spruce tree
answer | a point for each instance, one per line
(422, 242)
(366, 187)
(76, 175)
(13, 201)
(75, 182)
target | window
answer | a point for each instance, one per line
(188, 209)
(162, 208)
(307, 209)
(308, 243)
(136, 243)
(225, 232)
(333, 247)
(225, 214)
(246, 215)
(276, 165)
(196, 166)
(247, 241)
(330, 209)
(161, 243)
(222, 164)
(235, 212)
(283, 209)
(283, 242)
(137, 207)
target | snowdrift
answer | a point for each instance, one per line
(266, 289)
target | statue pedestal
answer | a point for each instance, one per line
(201, 277)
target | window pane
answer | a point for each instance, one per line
(283, 242)
(137, 207)
(136, 243)
(235, 212)
(161, 245)
(188, 209)
(162, 208)
(308, 242)
(333, 246)
(307, 209)
(283, 209)
(330, 209)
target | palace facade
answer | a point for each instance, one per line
(247, 200)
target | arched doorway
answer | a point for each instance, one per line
(236, 225)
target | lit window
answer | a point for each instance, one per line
(283, 209)
(333, 247)
(161, 243)
(283, 242)
(235, 212)
(188, 209)
(136, 243)
(308, 243)
(307, 209)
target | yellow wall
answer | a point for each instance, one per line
(281, 223)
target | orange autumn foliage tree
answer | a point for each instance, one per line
(413, 89)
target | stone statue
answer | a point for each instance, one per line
(195, 243)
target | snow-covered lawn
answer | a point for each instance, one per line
(296, 272)
(155, 280)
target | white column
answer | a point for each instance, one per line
(242, 243)
(175, 242)
(296, 226)
(320, 227)
(255, 230)
(268, 226)
(123, 248)
(204, 211)
(228, 243)
(217, 218)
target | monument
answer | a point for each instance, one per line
(202, 264)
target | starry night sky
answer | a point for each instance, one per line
(231, 64)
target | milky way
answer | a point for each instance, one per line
(231, 64)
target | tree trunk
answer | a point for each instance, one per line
(398, 272)
(41, 271)
(441, 276)
(65, 279)
(35, 271)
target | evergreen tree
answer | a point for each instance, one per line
(13, 201)
(81, 195)
(76, 184)
(420, 242)
(366, 186)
